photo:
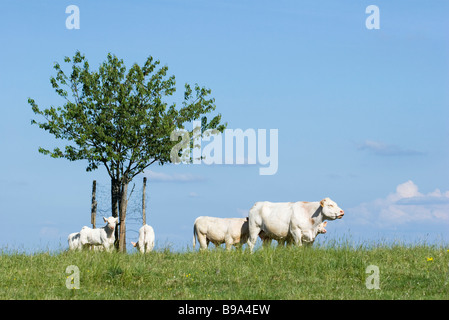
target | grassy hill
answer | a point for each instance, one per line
(405, 272)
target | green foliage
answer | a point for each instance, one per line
(120, 118)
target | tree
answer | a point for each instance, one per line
(120, 119)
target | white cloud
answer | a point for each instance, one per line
(243, 212)
(405, 190)
(405, 206)
(175, 177)
(383, 149)
(49, 232)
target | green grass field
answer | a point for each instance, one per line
(405, 272)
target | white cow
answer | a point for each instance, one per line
(308, 237)
(231, 231)
(75, 244)
(290, 220)
(74, 241)
(146, 239)
(101, 236)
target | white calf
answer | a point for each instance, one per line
(146, 239)
(101, 236)
(308, 237)
(74, 241)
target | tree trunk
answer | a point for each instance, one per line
(123, 206)
(115, 196)
(144, 216)
(93, 212)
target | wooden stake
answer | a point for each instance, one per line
(144, 217)
(93, 213)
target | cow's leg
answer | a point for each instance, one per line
(281, 242)
(296, 236)
(266, 242)
(254, 231)
(108, 247)
(254, 226)
(309, 243)
(229, 241)
(204, 242)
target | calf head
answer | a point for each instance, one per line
(321, 228)
(331, 210)
(111, 222)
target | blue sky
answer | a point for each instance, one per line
(362, 115)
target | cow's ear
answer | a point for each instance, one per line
(322, 202)
(105, 220)
(324, 223)
(133, 243)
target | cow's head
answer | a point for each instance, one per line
(321, 227)
(331, 210)
(111, 222)
(135, 244)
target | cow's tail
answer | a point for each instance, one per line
(194, 236)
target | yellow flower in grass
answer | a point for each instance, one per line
(429, 259)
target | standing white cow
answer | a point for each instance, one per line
(231, 231)
(101, 236)
(146, 239)
(283, 220)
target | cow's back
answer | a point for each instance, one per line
(213, 228)
(272, 217)
(146, 238)
(146, 234)
(238, 229)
